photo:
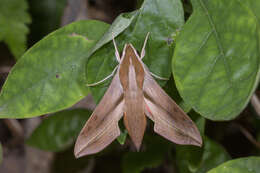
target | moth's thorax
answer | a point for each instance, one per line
(131, 70)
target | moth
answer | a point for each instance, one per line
(133, 94)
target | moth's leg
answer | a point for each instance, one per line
(103, 80)
(158, 77)
(116, 50)
(145, 42)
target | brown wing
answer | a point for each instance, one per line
(170, 121)
(102, 127)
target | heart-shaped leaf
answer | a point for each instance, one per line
(51, 75)
(216, 59)
(242, 165)
(159, 17)
(59, 131)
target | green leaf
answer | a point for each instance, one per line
(216, 59)
(159, 17)
(118, 26)
(152, 157)
(242, 165)
(201, 123)
(121, 139)
(199, 160)
(59, 131)
(171, 90)
(13, 21)
(199, 120)
(1, 154)
(51, 75)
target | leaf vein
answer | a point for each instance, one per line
(226, 65)
(204, 41)
(211, 69)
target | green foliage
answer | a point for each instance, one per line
(242, 165)
(209, 81)
(13, 21)
(216, 59)
(159, 17)
(172, 91)
(119, 25)
(199, 160)
(121, 139)
(59, 130)
(50, 76)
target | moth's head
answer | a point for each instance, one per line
(129, 51)
(131, 67)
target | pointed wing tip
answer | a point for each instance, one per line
(198, 138)
(77, 155)
(77, 151)
(80, 153)
(194, 142)
(199, 144)
(198, 141)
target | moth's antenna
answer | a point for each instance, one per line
(158, 77)
(116, 50)
(145, 42)
(103, 80)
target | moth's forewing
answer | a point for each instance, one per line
(170, 121)
(131, 74)
(102, 127)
